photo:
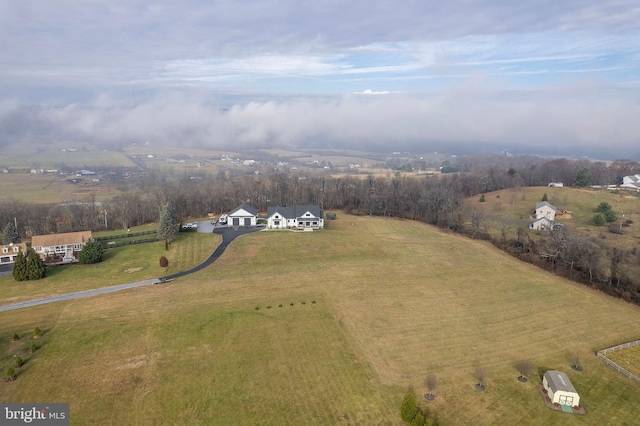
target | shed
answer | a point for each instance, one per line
(560, 389)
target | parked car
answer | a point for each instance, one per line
(190, 226)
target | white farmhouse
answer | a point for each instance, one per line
(298, 217)
(560, 389)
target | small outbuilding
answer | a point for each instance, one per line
(560, 389)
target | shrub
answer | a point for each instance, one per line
(418, 420)
(16, 337)
(257, 308)
(482, 198)
(11, 374)
(164, 262)
(37, 332)
(33, 347)
(18, 362)
(599, 219)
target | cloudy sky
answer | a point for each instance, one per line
(543, 75)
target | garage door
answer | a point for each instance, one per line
(247, 221)
(236, 221)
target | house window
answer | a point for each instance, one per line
(76, 246)
(16, 249)
(4, 259)
(5, 250)
(38, 248)
(276, 222)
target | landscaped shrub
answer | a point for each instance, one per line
(16, 337)
(418, 420)
(11, 375)
(19, 362)
(33, 347)
(164, 262)
(599, 219)
(37, 332)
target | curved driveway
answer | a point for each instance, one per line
(228, 235)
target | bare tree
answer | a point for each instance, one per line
(480, 376)
(525, 368)
(576, 361)
(431, 382)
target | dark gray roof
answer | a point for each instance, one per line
(558, 381)
(246, 207)
(295, 212)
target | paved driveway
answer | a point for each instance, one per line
(228, 234)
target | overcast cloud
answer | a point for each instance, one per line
(544, 74)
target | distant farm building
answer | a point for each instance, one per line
(556, 184)
(559, 389)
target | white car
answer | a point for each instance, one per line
(190, 226)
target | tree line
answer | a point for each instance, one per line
(434, 200)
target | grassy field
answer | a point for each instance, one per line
(49, 188)
(51, 156)
(120, 265)
(395, 301)
(628, 358)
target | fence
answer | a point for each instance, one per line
(114, 244)
(129, 235)
(602, 353)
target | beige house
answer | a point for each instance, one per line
(60, 248)
(545, 209)
(560, 389)
(8, 252)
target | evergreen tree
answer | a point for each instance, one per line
(19, 270)
(418, 420)
(409, 407)
(583, 178)
(544, 197)
(168, 226)
(36, 268)
(10, 234)
(92, 252)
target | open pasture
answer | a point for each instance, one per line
(395, 300)
(52, 156)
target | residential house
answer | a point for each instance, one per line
(243, 215)
(631, 183)
(8, 252)
(60, 248)
(559, 389)
(545, 209)
(297, 217)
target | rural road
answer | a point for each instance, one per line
(228, 235)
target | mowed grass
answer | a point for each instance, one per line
(395, 301)
(121, 265)
(628, 358)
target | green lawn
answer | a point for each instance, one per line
(120, 266)
(395, 301)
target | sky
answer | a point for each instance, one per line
(542, 76)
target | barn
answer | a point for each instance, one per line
(560, 389)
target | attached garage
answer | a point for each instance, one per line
(560, 389)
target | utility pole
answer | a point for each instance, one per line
(105, 219)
